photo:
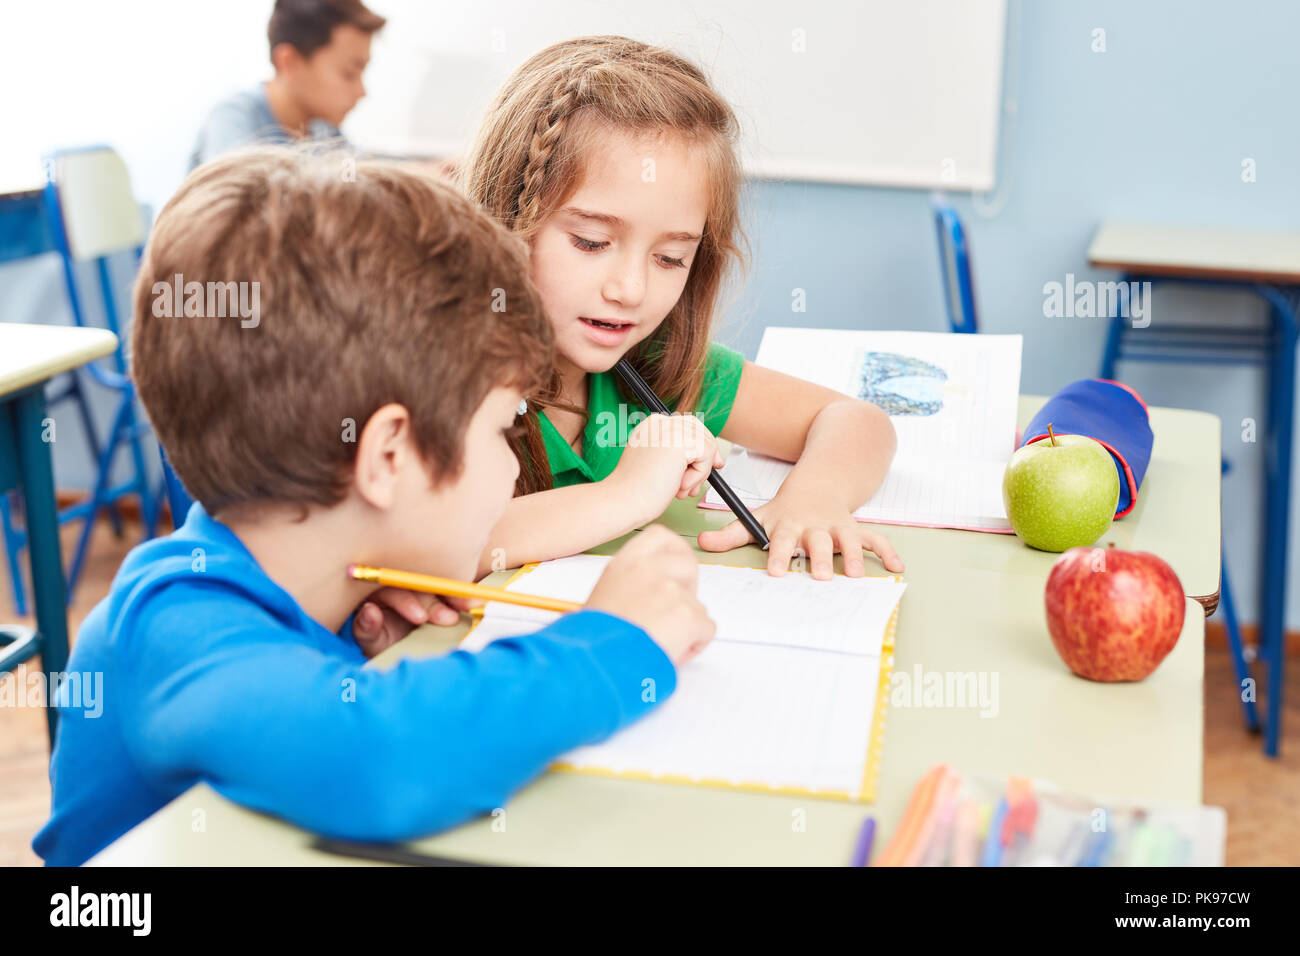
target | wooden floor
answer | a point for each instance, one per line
(1262, 796)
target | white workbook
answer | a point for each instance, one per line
(784, 698)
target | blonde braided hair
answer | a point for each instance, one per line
(550, 125)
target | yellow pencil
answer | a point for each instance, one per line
(429, 584)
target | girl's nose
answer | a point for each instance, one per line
(626, 285)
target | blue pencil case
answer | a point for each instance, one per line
(1107, 412)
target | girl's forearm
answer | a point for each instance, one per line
(558, 523)
(847, 453)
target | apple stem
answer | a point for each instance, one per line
(1050, 434)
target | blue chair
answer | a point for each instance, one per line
(178, 499)
(19, 644)
(93, 215)
(959, 303)
(954, 267)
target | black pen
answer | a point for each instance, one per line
(651, 401)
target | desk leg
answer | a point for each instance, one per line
(36, 473)
(1277, 463)
(1115, 334)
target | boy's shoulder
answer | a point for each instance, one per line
(185, 590)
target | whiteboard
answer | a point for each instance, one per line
(883, 92)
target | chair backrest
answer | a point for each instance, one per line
(98, 210)
(93, 215)
(954, 268)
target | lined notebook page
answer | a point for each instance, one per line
(784, 697)
(953, 402)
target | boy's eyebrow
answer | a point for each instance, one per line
(616, 222)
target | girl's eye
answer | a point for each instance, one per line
(672, 263)
(587, 245)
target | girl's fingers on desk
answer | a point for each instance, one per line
(730, 536)
(849, 542)
(783, 539)
(821, 553)
(884, 550)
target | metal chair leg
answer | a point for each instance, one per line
(1246, 691)
(1277, 464)
(97, 496)
(14, 540)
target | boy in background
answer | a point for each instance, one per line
(364, 418)
(320, 49)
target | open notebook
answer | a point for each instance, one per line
(952, 398)
(790, 696)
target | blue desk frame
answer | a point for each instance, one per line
(30, 470)
(1274, 349)
(25, 231)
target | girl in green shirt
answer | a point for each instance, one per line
(616, 162)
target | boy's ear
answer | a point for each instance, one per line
(285, 57)
(385, 450)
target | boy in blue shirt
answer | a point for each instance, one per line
(320, 49)
(365, 417)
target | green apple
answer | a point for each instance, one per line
(1060, 492)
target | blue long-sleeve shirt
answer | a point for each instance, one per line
(212, 672)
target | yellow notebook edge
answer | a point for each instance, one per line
(876, 743)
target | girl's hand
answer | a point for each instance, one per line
(390, 614)
(666, 456)
(813, 523)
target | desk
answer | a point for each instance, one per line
(974, 604)
(30, 355)
(1268, 265)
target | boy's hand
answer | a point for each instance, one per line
(813, 523)
(652, 582)
(390, 614)
(666, 456)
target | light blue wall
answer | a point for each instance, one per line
(1154, 129)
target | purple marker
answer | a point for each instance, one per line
(862, 852)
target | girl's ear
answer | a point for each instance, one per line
(384, 451)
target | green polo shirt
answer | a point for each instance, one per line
(611, 418)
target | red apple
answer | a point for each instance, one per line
(1113, 615)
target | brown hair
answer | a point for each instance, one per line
(528, 158)
(373, 284)
(307, 25)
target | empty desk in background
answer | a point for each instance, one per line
(1266, 264)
